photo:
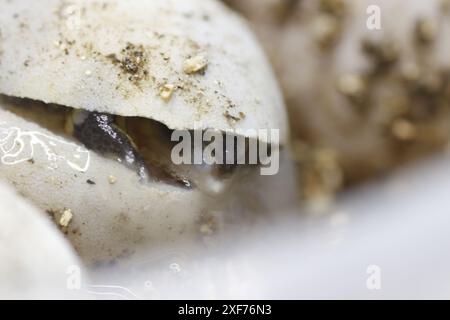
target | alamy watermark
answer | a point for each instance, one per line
(213, 147)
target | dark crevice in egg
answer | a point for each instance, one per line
(143, 145)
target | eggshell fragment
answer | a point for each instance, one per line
(115, 56)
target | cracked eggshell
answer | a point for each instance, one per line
(35, 257)
(107, 213)
(186, 63)
(112, 214)
(310, 75)
(115, 57)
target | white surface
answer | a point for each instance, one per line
(34, 256)
(400, 225)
